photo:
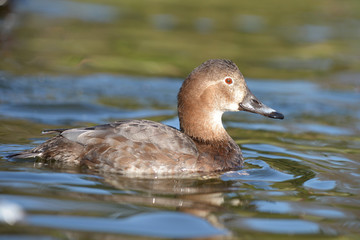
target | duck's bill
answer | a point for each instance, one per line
(252, 104)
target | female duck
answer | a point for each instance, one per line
(147, 147)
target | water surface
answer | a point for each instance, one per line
(301, 176)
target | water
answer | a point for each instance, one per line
(301, 176)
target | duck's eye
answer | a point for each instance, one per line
(228, 80)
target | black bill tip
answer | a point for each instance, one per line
(275, 115)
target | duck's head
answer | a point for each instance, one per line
(211, 89)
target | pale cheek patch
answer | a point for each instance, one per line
(239, 95)
(232, 107)
(234, 104)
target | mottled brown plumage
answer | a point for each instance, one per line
(137, 147)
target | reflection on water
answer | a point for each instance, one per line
(301, 175)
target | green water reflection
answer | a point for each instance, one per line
(277, 39)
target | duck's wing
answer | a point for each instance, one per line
(136, 146)
(128, 132)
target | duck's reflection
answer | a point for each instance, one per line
(200, 197)
(206, 197)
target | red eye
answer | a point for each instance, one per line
(228, 80)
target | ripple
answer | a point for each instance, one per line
(258, 126)
(46, 178)
(73, 112)
(155, 224)
(283, 226)
(31, 203)
(317, 184)
(293, 208)
(318, 128)
(264, 174)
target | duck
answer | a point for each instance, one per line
(143, 147)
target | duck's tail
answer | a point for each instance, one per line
(25, 154)
(37, 151)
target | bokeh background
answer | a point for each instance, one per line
(267, 39)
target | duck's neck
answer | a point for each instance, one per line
(202, 125)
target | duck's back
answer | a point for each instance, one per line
(134, 146)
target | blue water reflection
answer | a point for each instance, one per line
(154, 224)
(68, 9)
